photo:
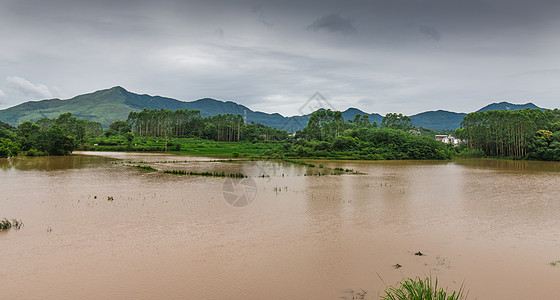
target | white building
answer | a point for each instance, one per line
(449, 139)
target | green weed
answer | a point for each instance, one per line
(420, 289)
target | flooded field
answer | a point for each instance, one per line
(98, 227)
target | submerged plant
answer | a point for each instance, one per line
(147, 168)
(211, 174)
(420, 289)
(5, 224)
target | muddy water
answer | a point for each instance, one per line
(492, 225)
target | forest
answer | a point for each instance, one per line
(327, 135)
(521, 134)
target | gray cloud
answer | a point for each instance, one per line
(189, 49)
(430, 32)
(261, 17)
(333, 23)
(219, 32)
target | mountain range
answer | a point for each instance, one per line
(107, 106)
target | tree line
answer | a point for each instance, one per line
(189, 123)
(527, 133)
(328, 135)
(58, 136)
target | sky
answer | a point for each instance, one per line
(380, 56)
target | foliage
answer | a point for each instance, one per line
(324, 124)
(326, 135)
(420, 289)
(8, 148)
(120, 127)
(55, 142)
(396, 121)
(7, 126)
(33, 152)
(527, 133)
(184, 123)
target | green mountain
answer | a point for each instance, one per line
(439, 119)
(508, 106)
(107, 106)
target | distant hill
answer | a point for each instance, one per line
(509, 106)
(439, 119)
(107, 106)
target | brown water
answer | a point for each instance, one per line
(492, 225)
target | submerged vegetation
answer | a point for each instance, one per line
(420, 289)
(6, 224)
(147, 168)
(211, 174)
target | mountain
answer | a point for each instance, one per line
(439, 119)
(107, 106)
(508, 106)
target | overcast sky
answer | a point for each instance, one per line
(380, 56)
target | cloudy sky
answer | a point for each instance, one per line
(380, 56)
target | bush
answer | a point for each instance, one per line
(35, 152)
(471, 153)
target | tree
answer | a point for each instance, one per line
(121, 127)
(396, 121)
(55, 142)
(27, 133)
(8, 148)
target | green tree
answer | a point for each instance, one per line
(396, 121)
(8, 148)
(27, 133)
(55, 142)
(121, 127)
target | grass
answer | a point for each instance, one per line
(6, 224)
(420, 289)
(555, 263)
(191, 146)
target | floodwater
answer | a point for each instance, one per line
(97, 228)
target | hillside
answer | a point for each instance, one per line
(439, 119)
(107, 106)
(508, 106)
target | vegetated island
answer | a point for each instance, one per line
(521, 134)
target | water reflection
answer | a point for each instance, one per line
(52, 163)
(510, 165)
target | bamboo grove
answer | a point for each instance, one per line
(527, 133)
